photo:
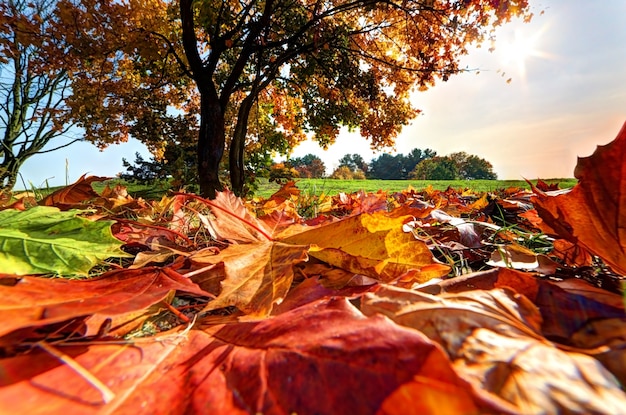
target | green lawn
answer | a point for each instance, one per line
(332, 186)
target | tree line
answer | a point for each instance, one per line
(417, 164)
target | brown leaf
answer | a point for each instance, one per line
(321, 358)
(74, 194)
(519, 257)
(565, 306)
(37, 301)
(494, 340)
(233, 221)
(258, 275)
(593, 213)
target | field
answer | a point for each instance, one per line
(316, 187)
(331, 186)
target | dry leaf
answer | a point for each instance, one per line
(593, 213)
(258, 275)
(373, 245)
(494, 340)
(321, 358)
(37, 301)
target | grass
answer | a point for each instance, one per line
(333, 186)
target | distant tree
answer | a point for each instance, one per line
(281, 173)
(399, 166)
(435, 168)
(415, 157)
(144, 171)
(354, 162)
(345, 173)
(387, 167)
(309, 166)
(176, 160)
(472, 167)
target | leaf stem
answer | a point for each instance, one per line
(107, 394)
(213, 205)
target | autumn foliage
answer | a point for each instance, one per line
(420, 302)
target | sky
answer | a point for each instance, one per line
(566, 96)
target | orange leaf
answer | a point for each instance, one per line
(233, 221)
(35, 301)
(593, 213)
(324, 357)
(74, 194)
(258, 275)
(493, 338)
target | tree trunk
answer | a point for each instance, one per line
(237, 146)
(211, 141)
(8, 180)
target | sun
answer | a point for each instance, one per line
(517, 51)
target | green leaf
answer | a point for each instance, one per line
(44, 240)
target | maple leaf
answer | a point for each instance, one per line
(34, 301)
(258, 275)
(258, 270)
(233, 221)
(494, 339)
(44, 240)
(75, 194)
(373, 245)
(323, 357)
(593, 213)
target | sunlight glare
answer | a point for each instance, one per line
(520, 49)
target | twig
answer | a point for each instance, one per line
(106, 393)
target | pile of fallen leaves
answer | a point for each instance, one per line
(417, 302)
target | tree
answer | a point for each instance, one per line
(345, 173)
(415, 157)
(281, 173)
(386, 167)
(144, 171)
(309, 166)
(472, 167)
(315, 66)
(436, 168)
(398, 167)
(33, 110)
(354, 162)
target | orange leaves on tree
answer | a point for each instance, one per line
(593, 213)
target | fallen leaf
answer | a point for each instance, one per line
(74, 194)
(321, 358)
(373, 245)
(258, 275)
(593, 213)
(518, 257)
(233, 221)
(37, 301)
(538, 378)
(44, 240)
(494, 339)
